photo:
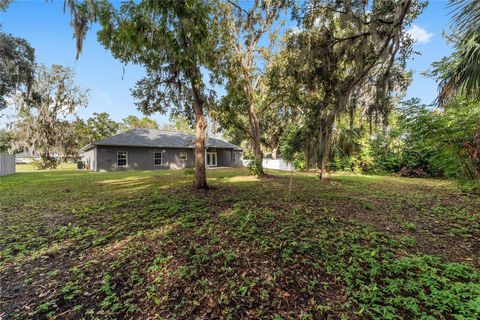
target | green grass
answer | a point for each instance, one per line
(144, 244)
(30, 167)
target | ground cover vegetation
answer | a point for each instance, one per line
(145, 245)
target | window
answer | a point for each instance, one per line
(122, 158)
(183, 156)
(157, 158)
(234, 157)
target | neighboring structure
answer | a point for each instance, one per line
(26, 157)
(149, 149)
(7, 164)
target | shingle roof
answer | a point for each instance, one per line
(158, 138)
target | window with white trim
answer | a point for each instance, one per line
(234, 157)
(122, 158)
(157, 158)
(183, 156)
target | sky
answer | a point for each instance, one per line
(47, 28)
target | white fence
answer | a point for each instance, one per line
(277, 164)
(7, 164)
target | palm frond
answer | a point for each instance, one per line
(460, 73)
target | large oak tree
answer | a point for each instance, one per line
(174, 41)
(346, 56)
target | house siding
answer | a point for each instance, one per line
(104, 158)
(141, 158)
(238, 159)
(89, 157)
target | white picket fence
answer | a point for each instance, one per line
(7, 164)
(277, 164)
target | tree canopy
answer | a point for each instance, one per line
(43, 115)
(460, 72)
(177, 40)
(17, 64)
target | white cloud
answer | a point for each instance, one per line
(419, 34)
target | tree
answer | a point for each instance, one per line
(179, 123)
(43, 114)
(6, 140)
(132, 122)
(68, 142)
(246, 60)
(348, 55)
(174, 41)
(444, 142)
(460, 72)
(100, 126)
(17, 64)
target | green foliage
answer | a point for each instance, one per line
(290, 143)
(175, 41)
(43, 115)
(179, 123)
(419, 141)
(100, 126)
(438, 140)
(132, 122)
(255, 168)
(47, 162)
(458, 74)
(17, 65)
(336, 59)
(6, 140)
(120, 243)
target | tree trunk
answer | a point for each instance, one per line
(255, 134)
(254, 124)
(201, 128)
(274, 153)
(473, 150)
(44, 159)
(325, 150)
(307, 157)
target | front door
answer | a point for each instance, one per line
(211, 159)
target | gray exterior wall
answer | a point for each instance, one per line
(89, 157)
(141, 158)
(104, 158)
(225, 157)
(238, 159)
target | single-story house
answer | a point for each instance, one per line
(26, 157)
(149, 149)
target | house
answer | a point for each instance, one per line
(150, 149)
(26, 157)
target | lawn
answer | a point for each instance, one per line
(145, 245)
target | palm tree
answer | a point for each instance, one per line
(460, 73)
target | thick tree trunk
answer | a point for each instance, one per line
(201, 129)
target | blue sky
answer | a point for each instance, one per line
(47, 29)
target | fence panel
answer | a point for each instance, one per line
(7, 164)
